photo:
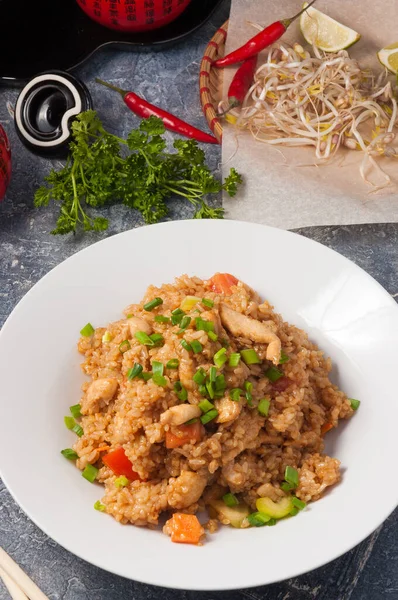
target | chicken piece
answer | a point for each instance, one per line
(185, 489)
(177, 415)
(99, 393)
(138, 324)
(257, 331)
(228, 410)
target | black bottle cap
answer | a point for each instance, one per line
(45, 109)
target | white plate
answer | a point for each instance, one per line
(344, 310)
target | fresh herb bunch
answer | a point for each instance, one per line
(98, 172)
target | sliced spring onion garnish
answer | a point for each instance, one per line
(173, 363)
(177, 311)
(69, 422)
(200, 376)
(75, 411)
(220, 383)
(258, 519)
(213, 336)
(185, 321)
(205, 406)
(202, 390)
(220, 358)
(284, 358)
(129, 316)
(124, 346)
(186, 346)
(69, 454)
(146, 376)
(212, 374)
(87, 330)
(354, 403)
(203, 325)
(298, 503)
(121, 481)
(207, 302)
(99, 506)
(230, 500)
(234, 359)
(196, 346)
(161, 319)
(263, 407)
(248, 386)
(90, 473)
(286, 487)
(225, 343)
(78, 429)
(273, 374)
(294, 511)
(235, 393)
(210, 389)
(192, 421)
(250, 357)
(153, 304)
(107, 337)
(271, 522)
(292, 476)
(159, 380)
(157, 368)
(180, 391)
(157, 339)
(177, 318)
(135, 371)
(209, 416)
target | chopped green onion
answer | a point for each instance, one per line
(298, 503)
(129, 316)
(286, 487)
(159, 380)
(90, 473)
(263, 407)
(219, 384)
(294, 511)
(225, 343)
(202, 390)
(209, 416)
(173, 363)
(220, 357)
(249, 396)
(235, 393)
(176, 319)
(273, 374)
(185, 345)
(248, 386)
(205, 406)
(258, 519)
(219, 394)
(107, 337)
(210, 389)
(177, 311)
(121, 481)
(180, 391)
(196, 346)
(157, 368)
(271, 522)
(292, 476)
(207, 302)
(161, 319)
(135, 371)
(69, 454)
(234, 359)
(69, 422)
(78, 430)
(157, 339)
(192, 421)
(284, 358)
(146, 376)
(185, 321)
(354, 403)
(143, 338)
(153, 304)
(250, 357)
(200, 376)
(204, 325)
(99, 506)
(87, 330)
(230, 500)
(75, 411)
(124, 346)
(212, 374)
(213, 336)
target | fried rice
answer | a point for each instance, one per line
(206, 425)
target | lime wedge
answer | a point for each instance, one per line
(388, 57)
(324, 32)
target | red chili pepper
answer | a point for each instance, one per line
(144, 109)
(5, 163)
(262, 40)
(241, 82)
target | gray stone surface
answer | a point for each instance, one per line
(27, 252)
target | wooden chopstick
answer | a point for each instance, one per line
(15, 592)
(19, 577)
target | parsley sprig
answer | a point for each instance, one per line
(139, 172)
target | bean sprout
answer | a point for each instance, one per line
(324, 101)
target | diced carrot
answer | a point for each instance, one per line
(326, 427)
(221, 283)
(185, 529)
(184, 434)
(120, 464)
